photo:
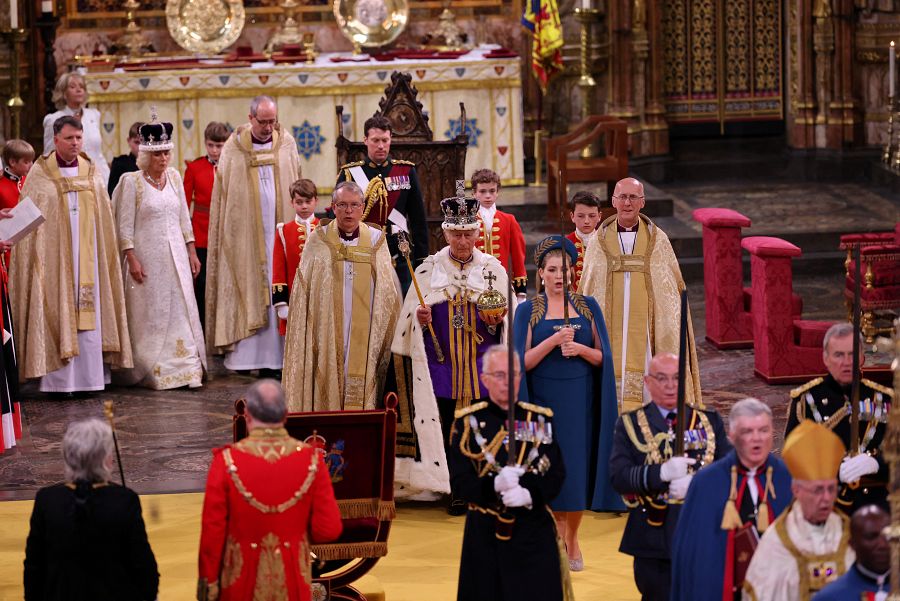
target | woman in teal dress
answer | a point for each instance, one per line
(566, 371)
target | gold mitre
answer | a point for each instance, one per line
(813, 452)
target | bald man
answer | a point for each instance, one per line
(870, 576)
(630, 268)
(251, 194)
(646, 473)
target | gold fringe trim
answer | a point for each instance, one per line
(367, 508)
(349, 550)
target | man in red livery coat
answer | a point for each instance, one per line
(199, 177)
(268, 498)
(585, 214)
(500, 234)
(290, 238)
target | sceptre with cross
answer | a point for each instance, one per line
(403, 245)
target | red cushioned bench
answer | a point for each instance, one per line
(787, 349)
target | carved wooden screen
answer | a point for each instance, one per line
(723, 60)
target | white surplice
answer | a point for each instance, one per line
(166, 336)
(265, 349)
(86, 371)
(774, 572)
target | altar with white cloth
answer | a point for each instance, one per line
(307, 95)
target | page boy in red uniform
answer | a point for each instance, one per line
(585, 214)
(499, 234)
(18, 156)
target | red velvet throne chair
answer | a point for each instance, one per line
(880, 286)
(729, 323)
(359, 452)
(786, 349)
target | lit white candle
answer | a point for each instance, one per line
(892, 60)
(586, 4)
(46, 6)
(13, 14)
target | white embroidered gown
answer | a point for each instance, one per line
(166, 336)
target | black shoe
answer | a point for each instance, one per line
(242, 372)
(457, 507)
(275, 374)
(61, 396)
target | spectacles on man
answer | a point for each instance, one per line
(632, 198)
(266, 122)
(501, 375)
(348, 206)
(664, 379)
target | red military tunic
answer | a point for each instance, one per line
(268, 498)
(504, 241)
(198, 184)
(289, 242)
(10, 186)
(579, 264)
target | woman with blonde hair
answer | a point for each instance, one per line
(70, 97)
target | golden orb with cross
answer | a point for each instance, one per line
(491, 303)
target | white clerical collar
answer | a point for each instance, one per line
(488, 214)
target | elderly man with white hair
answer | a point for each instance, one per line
(87, 539)
(445, 338)
(344, 305)
(728, 506)
(826, 400)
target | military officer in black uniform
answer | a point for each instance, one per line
(864, 476)
(510, 550)
(392, 194)
(652, 481)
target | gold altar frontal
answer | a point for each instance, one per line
(307, 96)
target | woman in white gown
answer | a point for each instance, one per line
(70, 97)
(157, 241)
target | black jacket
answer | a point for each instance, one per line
(526, 567)
(88, 544)
(122, 164)
(632, 476)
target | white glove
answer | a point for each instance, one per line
(674, 468)
(679, 486)
(854, 468)
(508, 478)
(517, 497)
(282, 311)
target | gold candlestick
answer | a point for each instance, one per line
(15, 104)
(889, 147)
(586, 82)
(133, 39)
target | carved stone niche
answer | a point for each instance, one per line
(438, 163)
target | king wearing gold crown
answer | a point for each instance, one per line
(807, 546)
(445, 335)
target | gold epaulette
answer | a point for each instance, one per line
(878, 387)
(402, 162)
(801, 389)
(353, 164)
(470, 409)
(536, 409)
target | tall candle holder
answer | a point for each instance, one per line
(15, 104)
(889, 147)
(133, 38)
(586, 82)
